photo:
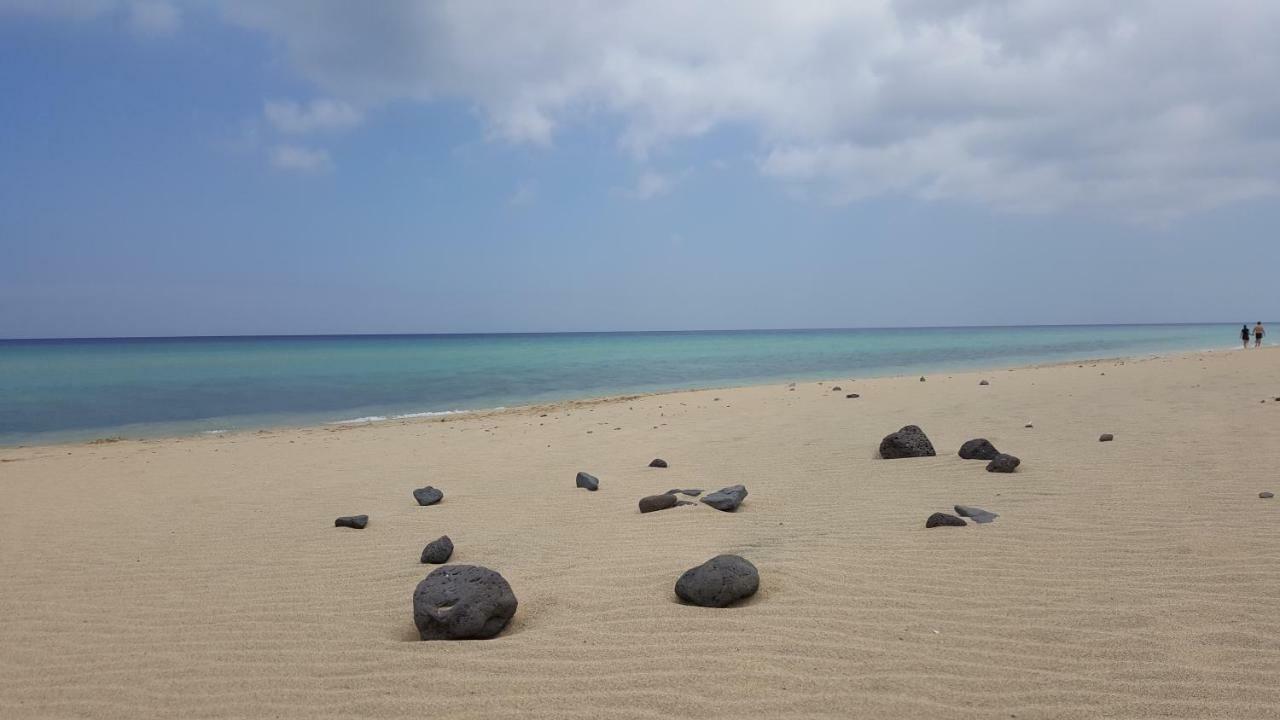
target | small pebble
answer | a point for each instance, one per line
(1265, 494)
(1106, 437)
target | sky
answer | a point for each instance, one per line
(324, 166)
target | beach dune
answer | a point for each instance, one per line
(1139, 578)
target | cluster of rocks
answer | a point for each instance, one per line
(976, 514)
(982, 449)
(726, 499)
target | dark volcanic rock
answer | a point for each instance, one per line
(427, 495)
(835, 388)
(658, 463)
(1266, 494)
(976, 514)
(654, 503)
(691, 492)
(853, 395)
(1003, 463)
(1106, 437)
(979, 449)
(588, 481)
(910, 441)
(983, 382)
(719, 582)
(438, 552)
(941, 519)
(727, 499)
(921, 378)
(352, 521)
(462, 602)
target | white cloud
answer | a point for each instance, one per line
(154, 17)
(288, 116)
(145, 17)
(651, 184)
(525, 194)
(296, 158)
(1146, 109)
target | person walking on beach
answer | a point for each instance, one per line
(1244, 335)
(1258, 332)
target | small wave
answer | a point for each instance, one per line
(213, 432)
(406, 416)
(359, 420)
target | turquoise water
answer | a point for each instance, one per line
(55, 390)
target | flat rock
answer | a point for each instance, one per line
(1106, 437)
(1028, 425)
(588, 481)
(853, 395)
(979, 449)
(438, 551)
(653, 503)
(427, 495)
(910, 441)
(1003, 463)
(1265, 494)
(727, 499)
(658, 463)
(352, 521)
(943, 519)
(691, 492)
(719, 582)
(975, 514)
(462, 602)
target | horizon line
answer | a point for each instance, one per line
(372, 334)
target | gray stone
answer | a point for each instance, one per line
(588, 481)
(1265, 494)
(975, 514)
(691, 492)
(1028, 425)
(427, 495)
(658, 463)
(943, 519)
(727, 499)
(835, 388)
(438, 551)
(851, 396)
(352, 521)
(654, 503)
(910, 441)
(983, 382)
(1106, 437)
(979, 449)
(462, 602)
(1003, 463)
(719, 582)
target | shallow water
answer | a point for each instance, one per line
(56, 390)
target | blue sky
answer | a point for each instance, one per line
(324, 167)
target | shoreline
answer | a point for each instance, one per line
(204, 576)
(462, 414)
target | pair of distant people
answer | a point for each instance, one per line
(1258, 332)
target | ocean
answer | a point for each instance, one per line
(65, 390)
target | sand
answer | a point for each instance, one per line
(203, 577)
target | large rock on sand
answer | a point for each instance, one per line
(719, 582)
(588, 481)
(943, 520)
(438, 551)
(979, 449)
(352, 521)
(910, 441)
(1003, 463)
(654, 503)
(462, 602)
(727, 499)
(427, 495)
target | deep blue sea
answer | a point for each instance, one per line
(57, 390)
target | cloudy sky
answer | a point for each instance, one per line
(314, 166)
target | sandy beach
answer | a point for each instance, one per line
(202, 577)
